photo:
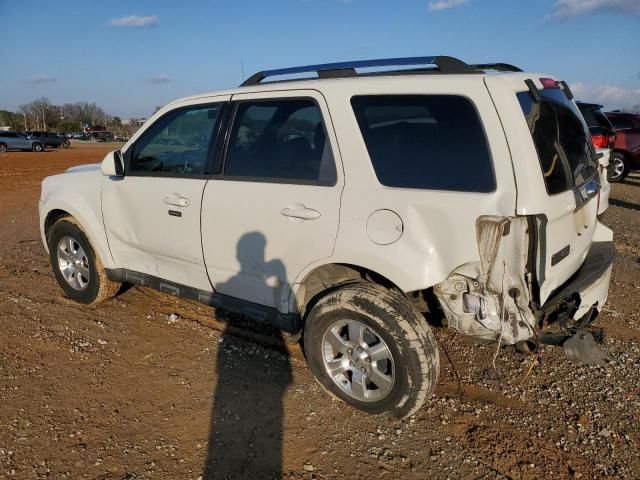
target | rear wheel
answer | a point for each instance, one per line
(37, 147)
(66, 144)
(76, 266)
(3, 147)
(369, 347)
(618, 168)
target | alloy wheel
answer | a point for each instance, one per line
(73, 263)
(617, 168)
(358, 360)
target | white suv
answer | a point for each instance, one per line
(353, 207)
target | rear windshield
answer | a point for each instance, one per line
(431, 142)
(562, 142)
(594, 117)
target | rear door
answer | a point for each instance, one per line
(556, 174)
(273, 208)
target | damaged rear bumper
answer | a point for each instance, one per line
(493, 299)
(585, 293)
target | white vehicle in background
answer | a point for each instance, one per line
(353, 207)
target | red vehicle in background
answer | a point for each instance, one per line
(626, 154)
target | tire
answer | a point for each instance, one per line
(76, 266)
(37, 147)
(403, 376)
(66, 144)
(618, 168)
(3, 148)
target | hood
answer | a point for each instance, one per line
(92, 167)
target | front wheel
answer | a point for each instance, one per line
(369, 347)
(3, 148)
(76, 266)
(618, 168)
(37, 147)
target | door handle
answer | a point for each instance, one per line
(300, 212)
(176, 200)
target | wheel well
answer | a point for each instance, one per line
(624, 153)
(52, 217)
(327, 277)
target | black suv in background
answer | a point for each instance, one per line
(602, 134)
(49, 139)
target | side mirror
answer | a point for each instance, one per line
(113, 164)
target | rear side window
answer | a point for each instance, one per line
(433, 142)
(282, 141)
(563, 144)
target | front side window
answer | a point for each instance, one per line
(563, 144)
(177, 144)
(280, 140)
(431, 142)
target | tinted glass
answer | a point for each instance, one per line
(280, 140)
(587, 114)
(621, 123)
(425, 141)
(602, 120)
(177, 143)
(563, 144)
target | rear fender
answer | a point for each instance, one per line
(490, 299)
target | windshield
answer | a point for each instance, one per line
(563, 143)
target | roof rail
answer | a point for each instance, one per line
(498, 67)
(443, 63)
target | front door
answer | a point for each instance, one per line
(273, 208)
(152, 215)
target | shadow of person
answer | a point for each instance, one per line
(245, 435)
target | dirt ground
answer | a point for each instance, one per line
(127, 391)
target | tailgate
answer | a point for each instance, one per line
(556, 173)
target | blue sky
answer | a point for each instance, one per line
(129, 56)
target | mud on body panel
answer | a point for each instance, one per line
(490, 299)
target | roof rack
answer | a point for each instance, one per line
(498, 67)
(444, 64)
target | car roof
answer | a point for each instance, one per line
(359, 71)
(328, 83)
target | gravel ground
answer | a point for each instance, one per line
(148, 386)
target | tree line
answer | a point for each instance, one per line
(41, 114)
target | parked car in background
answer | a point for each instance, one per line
(49, 139)
(626, 155)
(19, 141)
(602, 137)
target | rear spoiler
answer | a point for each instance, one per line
(548, 83)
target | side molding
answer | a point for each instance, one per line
(287, 322)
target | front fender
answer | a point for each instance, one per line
(87, 211)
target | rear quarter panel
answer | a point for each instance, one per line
(439, 226)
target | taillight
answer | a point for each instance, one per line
(600, 141)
